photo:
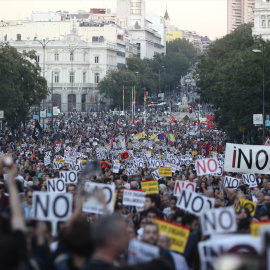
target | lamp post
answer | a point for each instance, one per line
(43, 43)
(259, 51)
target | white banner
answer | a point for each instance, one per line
(52, 206)
(250, 179)
(180, 185)
(140, 252)
(56, 185)
(247, 158)
(134, 197)
(218, 220)
(93, 205)
(231, 182)
(194, 202)
(69, 176)
(210, 250)
(206, 166)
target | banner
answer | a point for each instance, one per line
(165, 172)
(247, 158)
(140, 252)
(180, 185)
(251, 206)
(194, 202)
(37, 130)
(218, 220)
(255, 226)
(206, 166)
(52, 206)
(93, 205)
(150, 187)
(210, 250)
(231, 182)
(178, 234)
(134, 197)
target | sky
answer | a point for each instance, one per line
(206, 17)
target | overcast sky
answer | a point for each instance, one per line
(206, 17)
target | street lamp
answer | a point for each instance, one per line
(259, 51)
(43, 43)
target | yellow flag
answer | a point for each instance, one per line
(141, 135)
(171, 137)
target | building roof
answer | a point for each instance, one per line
(166, 16)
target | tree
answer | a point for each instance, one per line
(112, 85)
(21, 85)
(229, 76)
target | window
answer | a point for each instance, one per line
(94, 38)
(37, 58)
(263, 21)
(135, 11)
(71, 77)
(84, 57)
(84, 77)
(56, 77)
(135, 4)
(5, 38)
(96, 59)
(19, 37)
(96, 77)
(71, 56)
(122, 24)
(56, 56)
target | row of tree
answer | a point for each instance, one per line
(160, 73)
(230, 76)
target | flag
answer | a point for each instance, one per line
(124, 155)
(215, 149)
(207, 148)
(123, 93)
(160, 136)
(126, 138)
(171, 138)
(144, 97)
(33, 155)
(112, 140)
(220, 148)
(174, 120)
(37, 130)
(140, 135)
(79, 144)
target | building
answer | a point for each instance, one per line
(239, 12)
(262, 19)
(74, 57)
(130, 15)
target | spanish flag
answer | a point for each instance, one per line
(79, 144)
(141, 135)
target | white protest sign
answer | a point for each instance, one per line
(116, 168)
(250, 179)
(70, 160)
(171, 165)
(141, 252)
(180, 185)
(155, 174)
(155, 163)
(78, 166)
(206, 166)
(194, 202)
(69, 176)
(134, 197)
(52, 206)
(57, 165)
(130, 172)
(247, 158)
(56, 185)
(93, 205)
(219, 171)
(138, 162)
(47, 160)
(231, 182)
(218, 220)
(210, 250)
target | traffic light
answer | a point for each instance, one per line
(190, 109)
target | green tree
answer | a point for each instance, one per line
(112, 85)
(229, 76)
(21, 85)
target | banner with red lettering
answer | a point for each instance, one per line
(247, 158)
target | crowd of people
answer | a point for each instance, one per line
(92, 241)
